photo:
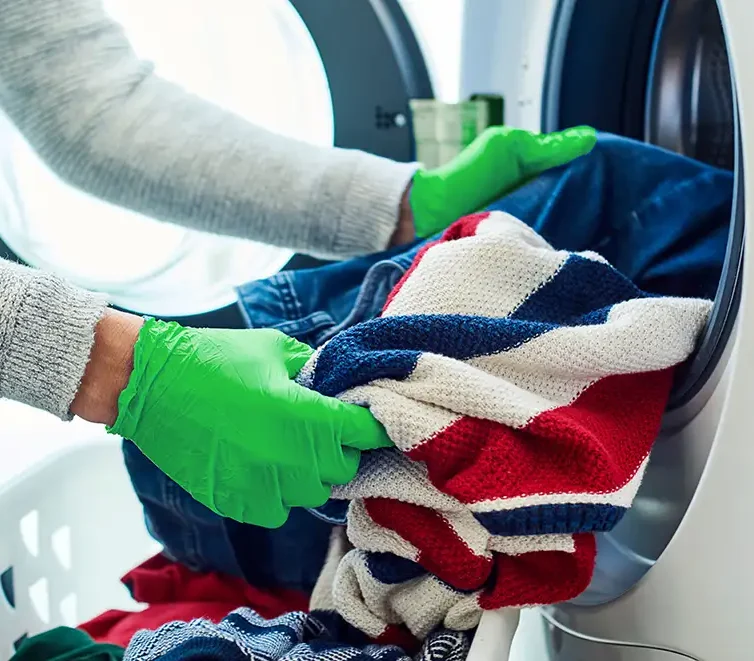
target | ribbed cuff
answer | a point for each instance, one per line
(370, 204)
(46, 336)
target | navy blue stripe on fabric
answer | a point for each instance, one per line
(388, 347)
(258, 630)
(329, 625)
(338, 652)
(391, 569)
(551, 519)
(580, 294)
(204, 648)
(581, 289)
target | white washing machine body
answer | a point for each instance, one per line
(674, 578)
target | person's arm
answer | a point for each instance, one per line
(103, 121)
(217, 410)
(47, 328)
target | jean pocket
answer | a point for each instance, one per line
(313, 329)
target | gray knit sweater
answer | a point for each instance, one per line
(104, 122)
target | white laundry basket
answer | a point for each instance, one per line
(69, 529)
(72, 526)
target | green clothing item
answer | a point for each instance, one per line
(64, 644)
(218, 411)
(498, 161)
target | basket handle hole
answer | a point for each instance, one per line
(30, 532)
(40, 598)
(61, 546)
(69, 610)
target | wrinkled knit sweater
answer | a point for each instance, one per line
(523, 388)
(104, 122)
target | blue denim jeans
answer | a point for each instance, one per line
(659, 218)
(313, 305)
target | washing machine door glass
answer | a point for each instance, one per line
(256, 59)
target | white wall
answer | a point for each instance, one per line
(503, 51)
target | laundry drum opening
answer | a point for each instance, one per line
(657, 71)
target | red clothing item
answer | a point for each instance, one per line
(173, 592)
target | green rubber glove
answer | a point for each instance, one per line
(498, 161)
(219, 413)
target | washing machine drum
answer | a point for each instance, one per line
(689, 105)
(654, 70)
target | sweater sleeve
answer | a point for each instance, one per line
(46, 335)
(104, 122)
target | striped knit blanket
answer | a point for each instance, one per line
(523, 387)
(246, 636)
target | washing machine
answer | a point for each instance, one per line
(673, 579)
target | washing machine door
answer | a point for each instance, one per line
(330, 72)
(674, 73)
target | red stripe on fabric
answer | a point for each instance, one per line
(465, 227)
(441, 551)
(594, 445)
(399, 636)
(543, 577)
(462, 228)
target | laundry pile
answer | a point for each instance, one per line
(241, 636)
(215, 617)
(661, 219)
(245, 635)
(169, 592)
(523, 387)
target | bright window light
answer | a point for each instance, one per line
(254, 58)
(438, 25)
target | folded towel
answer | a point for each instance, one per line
(523, 388)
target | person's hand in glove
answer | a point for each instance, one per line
(218, 411)
(497, 162)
